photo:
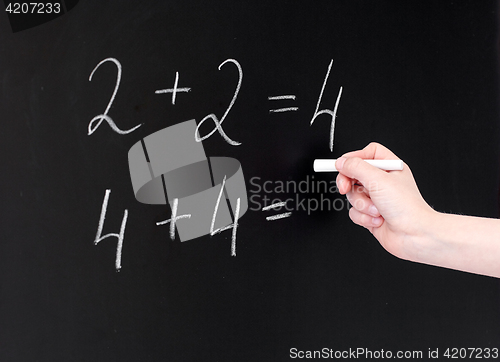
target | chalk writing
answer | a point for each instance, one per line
(217, 123)
(327, 111)
(234, 225)
(97, 120)
(279, 98)
(174, 218)
(174, 90)
(277, 205)
(120, 236)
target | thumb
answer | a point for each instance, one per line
(356, 168)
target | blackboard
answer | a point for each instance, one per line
(419, 77)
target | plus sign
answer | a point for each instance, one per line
(174, 219)
(174, 90)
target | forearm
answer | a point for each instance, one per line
(466, 243)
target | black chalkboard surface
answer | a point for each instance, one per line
(419, 77)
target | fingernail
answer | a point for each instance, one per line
(340, 182)
(377, 221)
(340, 163)
(372, 210)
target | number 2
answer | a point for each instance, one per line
(97, 120)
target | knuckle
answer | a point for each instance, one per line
(356, 199)
(358, 189)
(357, 217)
(359, 204)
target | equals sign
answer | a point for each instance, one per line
(276, 206)
(280, 110)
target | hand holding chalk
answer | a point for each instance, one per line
(388, 204)
(321, 165)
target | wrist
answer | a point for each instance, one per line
(460, 242)
(429, 244)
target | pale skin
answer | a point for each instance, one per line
(390, 206)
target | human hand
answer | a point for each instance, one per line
(388, 204)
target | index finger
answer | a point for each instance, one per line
(373, 151)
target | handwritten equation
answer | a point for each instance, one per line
(236, 206)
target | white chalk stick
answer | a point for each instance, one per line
(328, 165)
